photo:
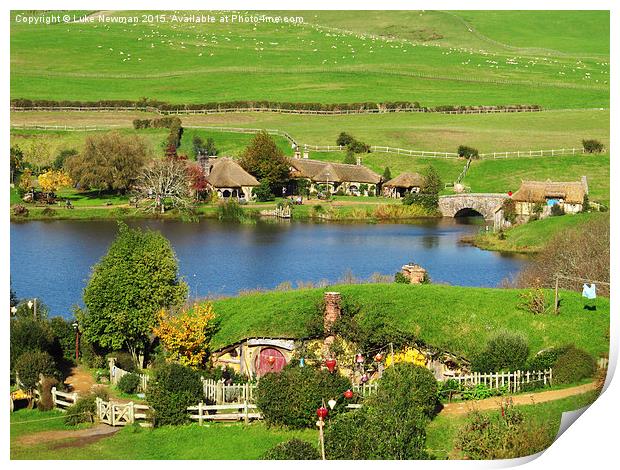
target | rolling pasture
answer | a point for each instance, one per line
(435, 58)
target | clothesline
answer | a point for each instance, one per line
(580, 279)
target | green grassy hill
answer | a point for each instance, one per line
(534, 236)
(458, 319)
(312, 62)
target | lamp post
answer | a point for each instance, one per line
(77, 340)
(322, 414)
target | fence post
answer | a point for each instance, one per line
(112, 414)
(200, 413)
(54, 396)
(245, 412)
(131, 412)
(75, 397)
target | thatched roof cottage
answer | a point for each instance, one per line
(568, 195)
(227, 177)
(351, 179)
(402, 184)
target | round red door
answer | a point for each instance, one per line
(269, 360)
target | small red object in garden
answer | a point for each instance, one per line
(378, 357)
(271, 360)
(510, 193)
(348, 394)
(359, 358)
(322, 412)
(330, 364)
(364, 378)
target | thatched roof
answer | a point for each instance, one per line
(319, 171)
(539, 191)
(406, 180)
(226, 173)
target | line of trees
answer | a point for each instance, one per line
(265, 104)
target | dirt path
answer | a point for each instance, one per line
(80, 381)
(77, 438)
(465, 407)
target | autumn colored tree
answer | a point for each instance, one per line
(265, 161)
(197, 179)
(51, 180)
(25, 182)
(187, 335)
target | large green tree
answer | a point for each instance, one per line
(432, 181)
(130, 284)
(109, 161)
(265, 161)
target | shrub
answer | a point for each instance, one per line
(171, 390)
(49, 212)
(546, 359)
(509, 206)
(592, 146)
(292, 396)
(29, 335)
(263, 192)
(46, 402)
(84, 410)
(557, 210)
(503, 351)
(31, 365)
(124, 360)
(20, 210)
(376, 433)
(427, 201)
(400, 278)
(344, 139)
(230, 211)
(405, 386)
(129, 383)
(295, 449)
(349, 157)
(573, 365)
(467, 152)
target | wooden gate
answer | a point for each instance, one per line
(269, 360)
(104, 411)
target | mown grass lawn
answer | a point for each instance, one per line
(188, 442)
(457, 319)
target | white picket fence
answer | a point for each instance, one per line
(512, 380)
(220, 394)
(116, 373)
(63, 400)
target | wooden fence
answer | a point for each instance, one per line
(334, 148)
(512, 380)
(116, 373)
(365, 389)
(220, 394)
(232, 412)
(122, 414)
(63, 400)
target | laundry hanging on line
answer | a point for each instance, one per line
(589, 292)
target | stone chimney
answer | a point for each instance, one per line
(297, 154)
(415, 273)
(331, 314)
(306, 153)
(584, 183)
(358, 161)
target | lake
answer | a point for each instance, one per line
(51, 260)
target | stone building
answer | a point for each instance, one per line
(227, 178)
(354, 180)
(543, 195)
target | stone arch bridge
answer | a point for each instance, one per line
(485, 204)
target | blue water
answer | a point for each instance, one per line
(52, 260)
